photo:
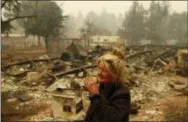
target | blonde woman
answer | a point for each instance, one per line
(110, 101)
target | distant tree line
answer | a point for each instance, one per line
(103, 24)
(156, 24)
(45, 19)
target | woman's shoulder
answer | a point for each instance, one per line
(122, 86)
(121, 90)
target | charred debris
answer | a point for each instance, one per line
(59, 80)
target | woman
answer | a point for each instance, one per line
(111, 100)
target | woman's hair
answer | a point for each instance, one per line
(115, 63)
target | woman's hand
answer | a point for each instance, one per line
(91, 85)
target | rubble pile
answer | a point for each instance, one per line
(149, 88)
(57, 83)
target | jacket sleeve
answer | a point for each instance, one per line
(113, 110)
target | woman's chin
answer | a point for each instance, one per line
(103, 81)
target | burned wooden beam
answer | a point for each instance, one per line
(21, 74)
(61, 74)
(137, 54)
(28, 61)
(166, 54)
(83, 68)
(163, 55)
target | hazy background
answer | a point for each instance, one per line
(116, 7)
(157, 22)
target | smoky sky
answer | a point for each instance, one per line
(116, 7)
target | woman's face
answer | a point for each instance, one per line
(103, 73)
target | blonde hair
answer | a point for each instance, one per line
(115, 62)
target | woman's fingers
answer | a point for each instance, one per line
(90, 83)
(87, 84)
(90, 80)
(93, 80)
(86, 81)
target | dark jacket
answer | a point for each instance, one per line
(112, 104)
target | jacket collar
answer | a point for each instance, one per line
(108, 89)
